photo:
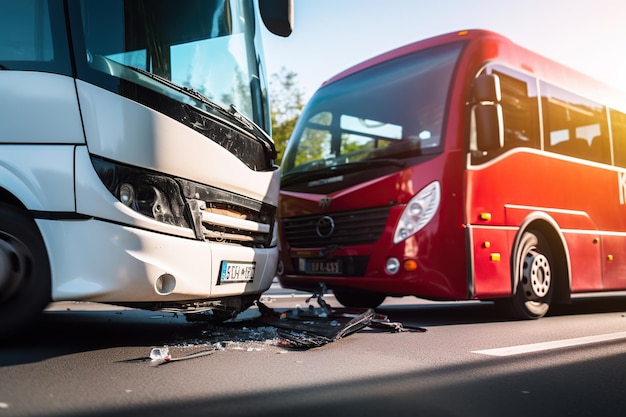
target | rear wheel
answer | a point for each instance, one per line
(25, 286)
(535, 277)
(350, 297)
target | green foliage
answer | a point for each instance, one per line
(287, 101)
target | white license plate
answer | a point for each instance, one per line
(236, 272)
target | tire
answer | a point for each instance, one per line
(25, 283)
(534, 275)
(350, 297)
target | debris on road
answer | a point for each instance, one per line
(159, 356)
(297, 328)
(317, 326)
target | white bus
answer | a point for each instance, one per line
(136, 166)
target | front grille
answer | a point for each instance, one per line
(225, 217)
(350, 228)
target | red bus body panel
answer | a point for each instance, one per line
(438, 271)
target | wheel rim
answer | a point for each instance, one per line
(536, 276)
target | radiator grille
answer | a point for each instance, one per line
(349, 228)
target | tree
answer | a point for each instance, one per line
(287, 101)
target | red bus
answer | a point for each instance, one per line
(461, 167)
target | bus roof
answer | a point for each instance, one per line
(515, 56)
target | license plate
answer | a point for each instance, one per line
(321, 266)
(236, 272)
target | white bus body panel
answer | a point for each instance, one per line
(40, 176)
(125, 131)
(39, 108)
(98, 261)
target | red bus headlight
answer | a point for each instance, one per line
(418, 212)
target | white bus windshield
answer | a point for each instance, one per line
(207, 47)
(391, 110)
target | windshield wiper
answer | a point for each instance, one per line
(232, 114)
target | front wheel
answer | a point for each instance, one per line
(25, 286)
(534, 277)
(350, 297)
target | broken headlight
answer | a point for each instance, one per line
(151, 194)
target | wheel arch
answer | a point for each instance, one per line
(8, 198)
(549, 228)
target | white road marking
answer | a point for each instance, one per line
(556, 344)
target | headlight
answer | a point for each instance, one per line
(418, 212)
(154, 195)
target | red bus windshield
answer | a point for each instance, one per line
(393, 110)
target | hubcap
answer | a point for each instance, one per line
(537, 276)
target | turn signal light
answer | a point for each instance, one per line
(409, 265)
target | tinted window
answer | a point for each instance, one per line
(395, 109)
(33, 37)
(519, 109)
(574, 126)
(520, 114)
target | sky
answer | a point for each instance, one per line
(332, 35)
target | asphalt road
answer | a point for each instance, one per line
(91, 359)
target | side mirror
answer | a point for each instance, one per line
(489, 126)
(487, 88)
(277, 15)
(488, 112)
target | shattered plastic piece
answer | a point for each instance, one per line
(304, 329)
(160, 354)
(159, 359)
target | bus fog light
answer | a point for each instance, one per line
(165, 284)
(127, 194)
(393, 266)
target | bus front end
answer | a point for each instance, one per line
(148, 178)
(371, 198)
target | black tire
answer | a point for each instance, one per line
(535, 277)
(353, 298)
(25, 284)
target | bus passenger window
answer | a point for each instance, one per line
(574, 126)
(519, 110)
(618, 129)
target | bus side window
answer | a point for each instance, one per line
(618, 129)
(519, 109)
(33, 37)
(574, 126)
